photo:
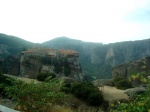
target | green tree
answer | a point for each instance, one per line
(87, 92)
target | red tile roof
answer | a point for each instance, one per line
(67, 52)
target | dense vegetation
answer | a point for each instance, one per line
(33, 97)
(43, 76)
(140, 103)
(122, 83)
(43, 96)
(85, 91)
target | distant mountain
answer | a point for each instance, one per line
(61, 40)
(85, 49)
(67, 43)
(98, 59)
(13, 41)
(12, 45)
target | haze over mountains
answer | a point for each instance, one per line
(96, 59)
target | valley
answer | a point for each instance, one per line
(91, 74)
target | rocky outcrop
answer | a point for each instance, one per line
(137, 71)
(125, 70)
(42, 60)
(110, 57)
(133, 91)
(121, 52)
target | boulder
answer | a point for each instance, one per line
(133, 91)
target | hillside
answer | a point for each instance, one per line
(98, 59)
(12, 45)
(84, 48)
(10, 48)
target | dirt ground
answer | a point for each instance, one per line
(23, 78)
(111, 93)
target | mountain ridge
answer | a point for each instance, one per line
(97, 59)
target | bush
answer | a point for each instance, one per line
(36, 97)
(5, 82)
(141, 103)
(65, 87)
(123, 84)
(43, 76)
(88, 92)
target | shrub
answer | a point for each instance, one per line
(36, 97)
(88, 92)
(140, 104)
(43, 76)
(121, 83)
(65, 87)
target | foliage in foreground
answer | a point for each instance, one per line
(122, 83)
(141, 103)
(43, 76)
(34, 97)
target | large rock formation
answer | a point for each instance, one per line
(136, 69)
(121, 52)
(46, 60)
(133, 91)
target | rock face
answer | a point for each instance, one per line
(136, 71)
(10, 65)
(46, 60)
(110, 57)
(138, 66)
(121, 52)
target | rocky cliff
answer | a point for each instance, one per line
(45, 60)
(121, 52)
(136, 70)
(97, 59)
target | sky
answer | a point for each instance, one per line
(104, 21)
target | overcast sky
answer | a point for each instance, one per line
(105, 21)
